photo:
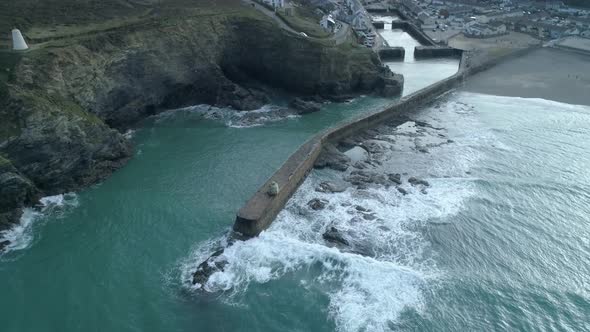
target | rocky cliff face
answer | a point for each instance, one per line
(63, 100)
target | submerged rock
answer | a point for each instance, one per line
(4, 244)
(416, 181)
(402, 191)
(330, 187)
(333, 235)
(208, 267)
(356, 219)
(361, 177)
(317, 204)
(361, 208)
(395, 178)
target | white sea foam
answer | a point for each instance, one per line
(129, 134)
(230, 117)
(389, 261)
(22, 235)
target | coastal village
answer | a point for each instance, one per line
(544, 20)
(443, 20)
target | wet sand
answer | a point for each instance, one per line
(545, 73)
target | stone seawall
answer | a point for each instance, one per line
(425, 52)
(392, 53)
(379, 25)
(260, 211)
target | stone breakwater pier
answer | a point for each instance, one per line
(261, 209)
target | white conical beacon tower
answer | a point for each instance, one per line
(18, 42)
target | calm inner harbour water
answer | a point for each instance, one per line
(500, 241)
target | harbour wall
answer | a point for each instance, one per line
(425, 52)
(379, 25)
(261, 209)
(392, 53)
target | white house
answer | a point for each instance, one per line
(327, 22)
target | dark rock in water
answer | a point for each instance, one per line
(16, 191)
(395, 178)
(332, 158)
(423, 150)
(402, 191)
(333, 235)
(361, 209)
(415, 181)
(303, 106)
(423, 191)
(3, 245)
(208, 267)
(330, 187)
(369, 216)
(360, 177)
(374, 146)
(360, 165)
(317, 204)
(241, 98)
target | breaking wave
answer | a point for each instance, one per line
(22, 235)
(231, 117)
(389, 260)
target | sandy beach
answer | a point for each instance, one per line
(545, 73)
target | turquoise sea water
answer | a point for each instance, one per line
(498, 241)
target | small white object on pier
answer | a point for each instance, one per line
(18, 42)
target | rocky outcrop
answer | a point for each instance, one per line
(335, 236)
(332, 158)
(317, 204)
(211, 265)
(15, 192)
(304, 106)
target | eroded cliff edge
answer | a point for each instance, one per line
(64, 104)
